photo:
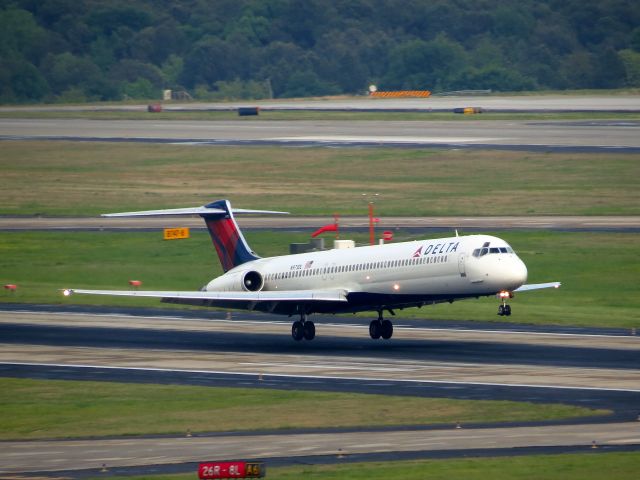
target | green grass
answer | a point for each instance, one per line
(561, 467)
(33, 409)
(577, 466)
(76, 178)
(599, 272)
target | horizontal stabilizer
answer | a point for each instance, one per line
(191, 211)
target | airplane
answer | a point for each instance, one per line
(375, 278)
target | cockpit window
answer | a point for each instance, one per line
(481, 252)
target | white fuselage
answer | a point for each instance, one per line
(417, 272)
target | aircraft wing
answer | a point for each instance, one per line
(537, 286)
(263, 296)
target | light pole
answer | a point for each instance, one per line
(371, 201)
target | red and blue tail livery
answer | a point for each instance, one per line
(232, 248)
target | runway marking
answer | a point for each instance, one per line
(325, 377)
(329, 366)
(382, 139)
(518, 332)
(152, 317)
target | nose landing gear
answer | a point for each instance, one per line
(504, 309)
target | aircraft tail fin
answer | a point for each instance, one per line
(232, 248)
(230, 244)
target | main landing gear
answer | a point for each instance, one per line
(381, 328)
(303, 328)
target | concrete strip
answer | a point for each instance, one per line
(530, 103)
(30, 456)
(492, 134)
(342, 327)
(324, 366)
(347, 222)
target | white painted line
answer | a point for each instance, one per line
(382, 139)
(323, 377)
(328, 366)
(145, 317)
(518, 332)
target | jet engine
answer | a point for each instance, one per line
(252, 281)
(244, 281)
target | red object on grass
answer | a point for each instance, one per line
(135, 283)
(332, 227)
(11, 286)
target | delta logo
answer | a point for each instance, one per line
(436, 249)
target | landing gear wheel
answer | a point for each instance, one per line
(375, 329)
(297, 331)
(309, 330)
(386, 330)
(507, 310)
(501, 310)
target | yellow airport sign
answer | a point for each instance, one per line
(176, 233)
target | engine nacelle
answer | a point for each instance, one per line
(247, 281)
(252, 281)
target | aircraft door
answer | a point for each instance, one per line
(462, 264)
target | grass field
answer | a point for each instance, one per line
(599, 272)
(33, 409)
(580, 466)
(76, 178)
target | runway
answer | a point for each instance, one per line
(85, 455)
(436, 103)
(587, 367)
(578, 136)
(559, 222)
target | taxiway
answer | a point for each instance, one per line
(619, 223)
(582, 136)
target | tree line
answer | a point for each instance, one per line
(88, 50)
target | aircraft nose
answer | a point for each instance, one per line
(518, 272)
